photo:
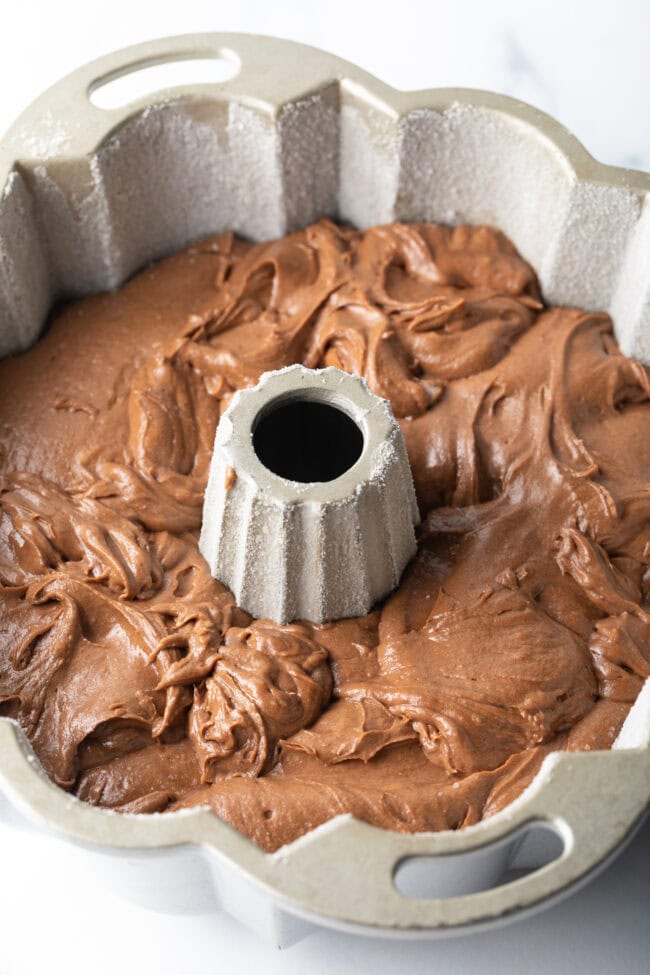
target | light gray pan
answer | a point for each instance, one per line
(90, 195)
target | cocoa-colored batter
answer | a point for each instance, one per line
(522, 626)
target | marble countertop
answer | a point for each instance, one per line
(58, 926)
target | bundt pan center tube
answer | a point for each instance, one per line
(90, 195)
(310, 504)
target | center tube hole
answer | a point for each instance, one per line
(307, 441)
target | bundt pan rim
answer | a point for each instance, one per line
(317, 878)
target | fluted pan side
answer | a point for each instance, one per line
(109, 191)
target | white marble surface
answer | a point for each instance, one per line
(587, 64)
(51, 924)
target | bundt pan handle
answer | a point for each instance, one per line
(65, 122)
(575, 816)
(344, 874)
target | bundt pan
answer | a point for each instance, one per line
(90, 195)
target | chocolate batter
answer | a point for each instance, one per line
(521, 627)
